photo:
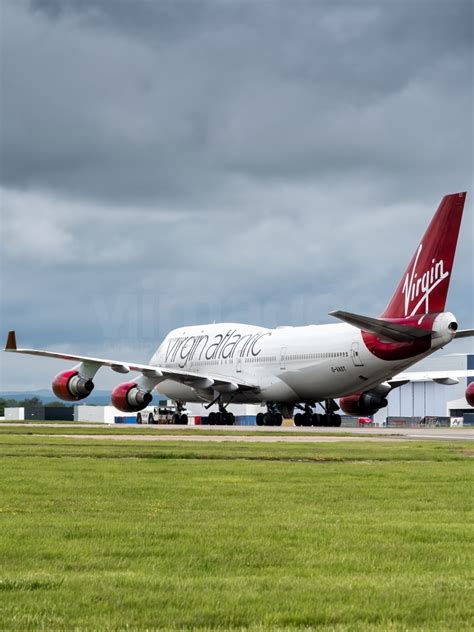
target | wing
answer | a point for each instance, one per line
(156, 373)
(440, 377)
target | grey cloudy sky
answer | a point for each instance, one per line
(170, 162)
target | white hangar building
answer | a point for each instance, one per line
(427, 398)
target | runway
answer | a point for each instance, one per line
(251, 434)
(225, 438)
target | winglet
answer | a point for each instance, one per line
(11, 342)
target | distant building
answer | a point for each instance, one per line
(100, 414)
(424, 399)
(40, 413)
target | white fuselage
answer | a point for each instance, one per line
(288, 364)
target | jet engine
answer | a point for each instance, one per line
(362, 404)
(72, 386)
(470, 394)
(130, 398)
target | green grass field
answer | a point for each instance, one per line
(101, 535)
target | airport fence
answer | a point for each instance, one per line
(419, 422)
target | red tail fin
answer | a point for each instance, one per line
(424, 286)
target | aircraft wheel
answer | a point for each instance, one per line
(231, 419)
(316, 419)
(337, 421)
(268, 419)
(212, 419)
(298, 420)
(306, 419)
(184, 420)
(175, 418)
(139, 418)
(260, 419)
(325, 420)
(278, 419)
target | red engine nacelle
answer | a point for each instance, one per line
(362, 404)
(130, 398)
(470, 394)
(71, 386)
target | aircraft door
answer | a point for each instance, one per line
(283, 358)
(238, 364)
(356, 359)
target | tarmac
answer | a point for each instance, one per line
(260, 434)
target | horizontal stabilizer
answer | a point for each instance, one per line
(464, 333)
(382, 328)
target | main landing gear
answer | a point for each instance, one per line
(179, 417)
(222, 418)
(310, 418)
(272, 417)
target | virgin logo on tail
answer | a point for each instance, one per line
(416, 284)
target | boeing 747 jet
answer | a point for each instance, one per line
(296, 369)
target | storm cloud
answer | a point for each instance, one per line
(165, 163)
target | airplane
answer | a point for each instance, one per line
(287, 369)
